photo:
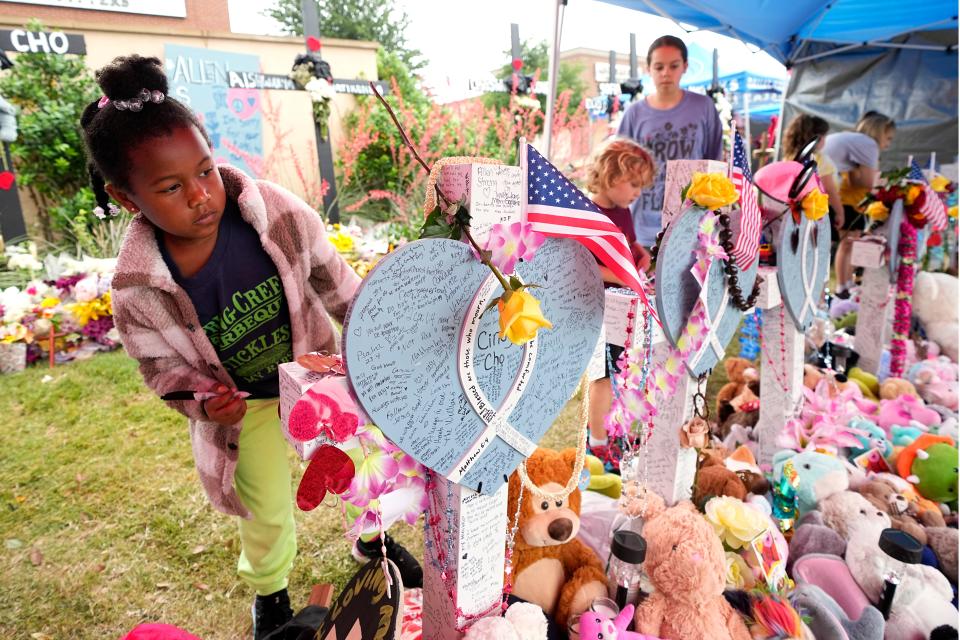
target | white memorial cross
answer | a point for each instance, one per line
(781, 374)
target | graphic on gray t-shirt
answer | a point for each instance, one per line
(691, 130)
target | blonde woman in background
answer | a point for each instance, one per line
(857, 157)
(802, 130)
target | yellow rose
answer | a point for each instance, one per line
(876, 210)
(912, 193)
(952, 211)
(520, 317)
(815, 204)
(939, 183)
(739, 574)
(711, 190)
(735, 522)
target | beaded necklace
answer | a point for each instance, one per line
(439, 550)
(781, 375)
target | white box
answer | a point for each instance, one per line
(867, 254)
(294, 382)
(679, 174)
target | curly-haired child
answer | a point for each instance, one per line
(621, 169)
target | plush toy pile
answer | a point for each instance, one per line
(795, 551)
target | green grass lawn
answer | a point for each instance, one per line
(103, 521)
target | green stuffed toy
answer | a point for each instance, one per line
(609, 484)
(930, 464)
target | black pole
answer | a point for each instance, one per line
(311, 28)
(11, 215)
(515, 53)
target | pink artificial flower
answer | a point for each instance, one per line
(372, 435)
(366, 522)
(512, 242)
(374, 475)
(407, 465)
(407, 499)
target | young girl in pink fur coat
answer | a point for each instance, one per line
(221, 278)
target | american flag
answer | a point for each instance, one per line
(933, 208)
(558, 209)
(745, 249)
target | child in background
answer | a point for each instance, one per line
(620, 171)
(220, 279)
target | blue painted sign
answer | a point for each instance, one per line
(426, 363)
(803, 261)
(201, 79)
(678, 291)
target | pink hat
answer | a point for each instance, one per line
(775, 180)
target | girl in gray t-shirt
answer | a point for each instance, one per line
(672, 124)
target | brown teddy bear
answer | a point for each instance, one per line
(714, 479)
(686, 564)
(884, 497)
(742, 388)
(893, 388)
(734, 475)
(551, 567)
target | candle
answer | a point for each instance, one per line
(605, 607)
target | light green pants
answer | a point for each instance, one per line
(268, 541)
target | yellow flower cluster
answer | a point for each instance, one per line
(97, 308)
(939, 183)
(342, 241)
(815, 204)
(876, 210)
(912, 194)
(711, 190)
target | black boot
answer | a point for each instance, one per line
(270, 613)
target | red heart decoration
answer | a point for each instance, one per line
(6, 180)
(330, 469)
(313, 43)
(517, 64)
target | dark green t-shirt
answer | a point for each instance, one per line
(240, 302)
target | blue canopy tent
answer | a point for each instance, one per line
(786, 29)
(846, 57)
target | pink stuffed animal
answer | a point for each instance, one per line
(595, 625)
(686, 565)
(903, 411)
(936, 382)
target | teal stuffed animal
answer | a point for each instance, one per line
(821, 475)
(876, 438)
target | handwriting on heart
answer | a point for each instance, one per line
(450, 401)
(678, 291)
(803, 264)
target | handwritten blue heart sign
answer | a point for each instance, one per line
(678, 291)
(428, 367)
(803, 264)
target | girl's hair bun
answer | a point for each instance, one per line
(123, 78)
